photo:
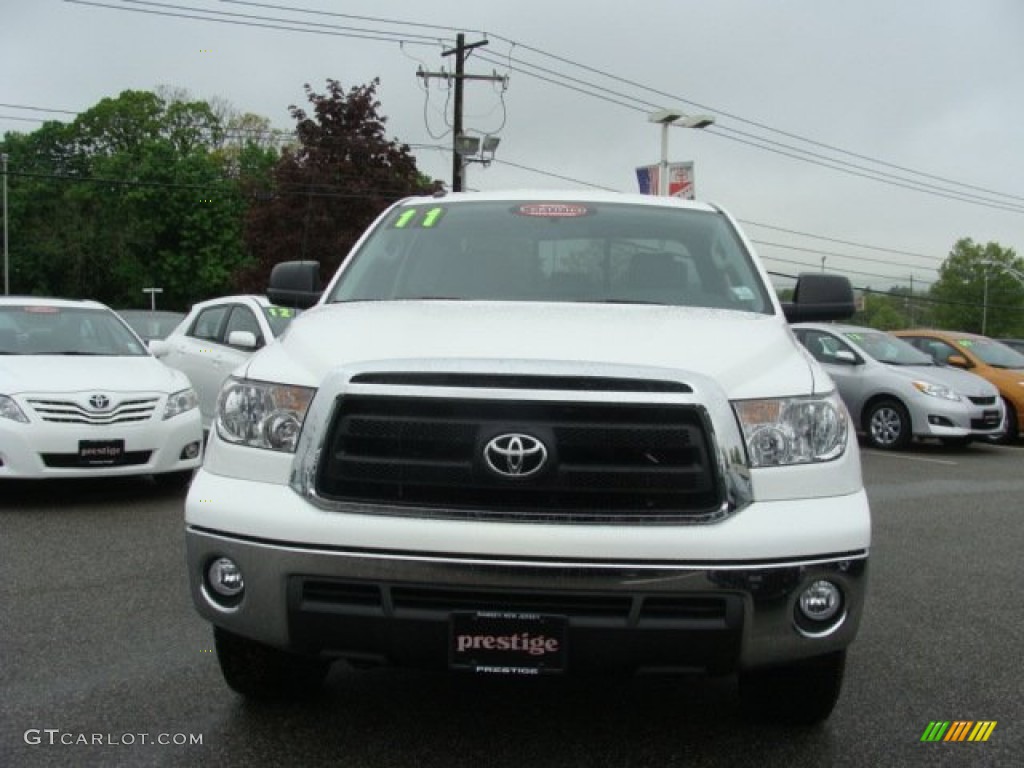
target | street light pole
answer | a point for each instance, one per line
(666, 118)
(7, 276)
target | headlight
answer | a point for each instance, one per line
(935, 390)
(262, 415)
(179, 402)
(10, 410)
(798, 430)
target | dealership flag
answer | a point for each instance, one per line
(680, 180)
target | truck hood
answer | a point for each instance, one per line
(749, 355)
(71, 373)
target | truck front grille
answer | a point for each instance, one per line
(605, 461)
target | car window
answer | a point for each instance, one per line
(593, 252)
(886, 348)
(823, 346)
(938, 350)
(992, 352)
(279, 318)
(244, 319)
(209, 322)
(36, 329)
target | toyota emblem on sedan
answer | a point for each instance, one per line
(515, 455)
(99, 402)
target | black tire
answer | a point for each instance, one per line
(1012, 433)
(175, 481)
(802, 693)
(887, 425)
(260, 672)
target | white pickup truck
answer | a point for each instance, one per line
(537, 433)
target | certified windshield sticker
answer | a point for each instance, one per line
(965, 343)
(553, 210)
(425, 218)
(280, 311)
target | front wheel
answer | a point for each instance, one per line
(260, 672)
(888, 425)
(802, 693)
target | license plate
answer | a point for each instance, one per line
(507, 643)
(93, 453)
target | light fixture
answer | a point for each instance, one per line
(467, 145)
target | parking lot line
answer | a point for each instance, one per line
(947, 462)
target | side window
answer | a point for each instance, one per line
(207, 326)
(243, 319)
(939, 350)
(823, 346)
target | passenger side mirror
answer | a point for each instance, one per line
(242, 339)
(295, 284)
(820, 297)
(959, 361)
(846, 356)
(158, 347)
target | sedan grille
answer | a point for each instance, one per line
(603, 461)
(983, 400)
(71, 412)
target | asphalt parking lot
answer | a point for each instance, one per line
(100, 647)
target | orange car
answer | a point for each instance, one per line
(986, 357)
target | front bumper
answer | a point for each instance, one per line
(40, 449)
(937, 418)
(392, 606)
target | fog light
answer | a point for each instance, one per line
(821, 601)
(191, 450)
(225, 577)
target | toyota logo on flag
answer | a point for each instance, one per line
(515, 455)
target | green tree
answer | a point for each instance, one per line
(978, 292)
(342, 173)
(137, 191)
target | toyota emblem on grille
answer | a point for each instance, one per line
(515, 455)
(99, 402)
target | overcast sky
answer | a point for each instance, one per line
(906, 88)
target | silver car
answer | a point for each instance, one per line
(895, 392)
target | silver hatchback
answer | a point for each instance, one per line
(895, 393)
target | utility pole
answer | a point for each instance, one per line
(459, 52)
(7, 266)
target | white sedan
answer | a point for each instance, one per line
(80, 396)
(216, 337)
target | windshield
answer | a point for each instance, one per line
(151, 324)
(39, 329)
(888, 349)
(279, 318)
(993, 353)
(561, 252)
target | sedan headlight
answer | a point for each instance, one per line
(10, 410)
(935, 390)
(259, 414)
(797, 430)
(180, 402)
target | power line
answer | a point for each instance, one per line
(832, 163)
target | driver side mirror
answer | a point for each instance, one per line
(846, 356)
(959, 361)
